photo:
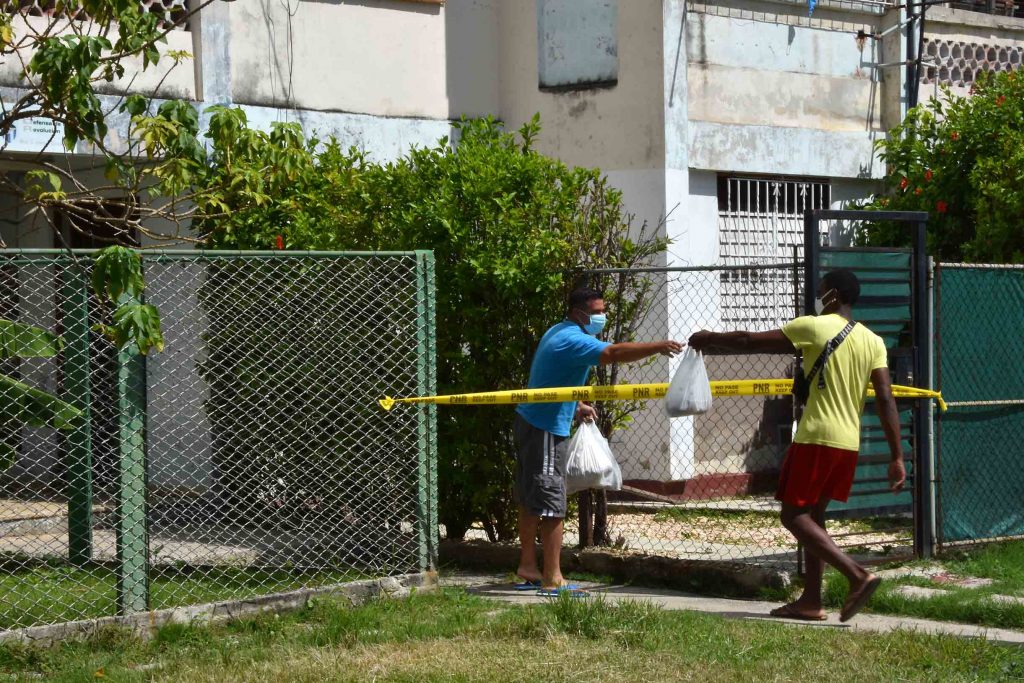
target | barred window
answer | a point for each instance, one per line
(761, 221)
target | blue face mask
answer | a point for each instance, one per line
(596, 324)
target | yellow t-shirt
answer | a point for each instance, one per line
(832, 415)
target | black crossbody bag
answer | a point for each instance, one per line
(802, 383)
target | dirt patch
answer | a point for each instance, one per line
(752, 529)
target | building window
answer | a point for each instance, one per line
(577, 44)
(761, 222)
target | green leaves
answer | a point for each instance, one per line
(63, 67)
(43, 186)
(20, 403)
(6, 30)
(138, 323)
(962, 160)
(505, 222)
(8, 456)
(117, 272)
(117, 277)
(136, 105)
(18, 340)
(66, 63)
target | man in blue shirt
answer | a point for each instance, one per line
(564, 357)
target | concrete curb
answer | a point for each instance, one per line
(146, 624)
(722, 578)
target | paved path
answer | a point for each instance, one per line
(498, 588)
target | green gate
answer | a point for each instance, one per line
(885, 307)
(894, 304)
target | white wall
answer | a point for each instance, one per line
(767, 97)
(389, 58)
(618, 128)
(340, 56)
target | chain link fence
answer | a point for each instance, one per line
(703, 487)
(979, 315)
(247, 458)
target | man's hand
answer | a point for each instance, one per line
(670, 348)
(699, 340)
(585, 413)
(897, 475)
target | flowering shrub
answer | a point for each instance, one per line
(961, 159)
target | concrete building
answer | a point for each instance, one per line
(721, 121)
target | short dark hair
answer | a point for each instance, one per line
(581, 296)
(845, 283)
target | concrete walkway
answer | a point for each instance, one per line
(498, 588)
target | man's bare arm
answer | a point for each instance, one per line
(885, 405)
(718, 343)
(628, 352)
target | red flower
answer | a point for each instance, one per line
(941, 206)
(1000, 100)
(903, 184)
(954, 135)
(280, 242)
(928, 174)
(918, 191)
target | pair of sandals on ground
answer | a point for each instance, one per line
(570, 589)
(855, 602)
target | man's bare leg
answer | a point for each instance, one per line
(814, 566)
(802, 524)
(551, 543)
(528, 541)
(809, 603)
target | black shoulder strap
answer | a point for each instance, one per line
(830, 347)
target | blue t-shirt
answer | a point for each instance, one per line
(563, 359)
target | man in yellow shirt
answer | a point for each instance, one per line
(820, 464)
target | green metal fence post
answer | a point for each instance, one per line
(432, 409)
(78, 392)
(426, 385)
(132, 534)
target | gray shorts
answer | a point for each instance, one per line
(540, 469)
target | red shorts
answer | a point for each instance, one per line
(811, 473)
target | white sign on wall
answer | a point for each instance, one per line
(35, 134)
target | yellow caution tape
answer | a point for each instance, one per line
(630, 392)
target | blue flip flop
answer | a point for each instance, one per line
(571, 590)
(526, 586)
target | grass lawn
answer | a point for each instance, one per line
(1001, 562)
(56, 592)
(452, 635)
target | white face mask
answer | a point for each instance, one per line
(819, 302)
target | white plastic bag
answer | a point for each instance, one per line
(690, 392)
(591, 464)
